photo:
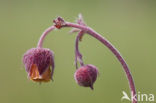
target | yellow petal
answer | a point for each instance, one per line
(34, 74)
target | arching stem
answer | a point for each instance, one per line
(113, 50)
(40, 42)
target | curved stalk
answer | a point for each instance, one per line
(40, 42)
(113, 50)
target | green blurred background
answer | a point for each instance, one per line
(129, 24)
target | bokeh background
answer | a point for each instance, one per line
(129, 24)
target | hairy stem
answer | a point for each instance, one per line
(40, 42)
(78, 55)
(113, 50)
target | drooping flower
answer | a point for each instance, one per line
(39, 64)
(86, 75)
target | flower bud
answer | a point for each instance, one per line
(38, 63)
(86, 75)
(59, 22)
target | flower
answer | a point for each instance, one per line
(86, 75)
(38, 63)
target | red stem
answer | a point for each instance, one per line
(40, 42)
(113, 50)
(78, 56)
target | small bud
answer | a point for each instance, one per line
(86, 75)
(38, 62)
(59, 22)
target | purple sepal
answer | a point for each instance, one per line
(42, 57)
(86, 75)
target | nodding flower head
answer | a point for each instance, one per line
(86, 75)
(38, 63)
